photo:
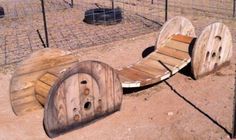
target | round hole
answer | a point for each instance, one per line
(87, 105)
(215, 65)
(219, 57)
(213, 54)
(83, 82)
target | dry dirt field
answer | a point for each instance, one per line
(155, 113)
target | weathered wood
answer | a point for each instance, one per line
(177, 25)
(159, 65)
(212, 50)
(83, 93)
(29, 70)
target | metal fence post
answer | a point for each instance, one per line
(112, 4)
(166, 10)
(72, 3)
(234, 113)
(45, 23)
(234, 8)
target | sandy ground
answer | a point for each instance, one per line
(153, 113)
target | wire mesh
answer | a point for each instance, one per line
(66, 29)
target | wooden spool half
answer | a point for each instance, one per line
(177, 25)
(212, 50)
(22, 91)
(83, 93)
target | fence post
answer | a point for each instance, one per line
(234, 112)
(45, 23)
(234, 8)
(166, 10)
(72, 3)
(112, 4)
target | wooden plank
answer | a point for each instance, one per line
(42, 89)
(22, 93)
(174, 53)
(48, 78)
(26, 100)
(45, 64)
(41, 99)
(156, 64)
(86, 96)
(60, 105)
(166, 59)
(182, 38)
(150, 70)
(72, 101)
(177, 45)
(133, 74)
(24, 108)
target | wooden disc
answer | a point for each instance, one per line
(83, 93)
(177, 25)
(212, 50)
(22, 92)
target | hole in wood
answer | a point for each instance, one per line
(76, 117)
(86, 91)
(215, 65)
(74, 109)
(220, 49)
(83, 82)
(213, 54)
(207, 55)
(219, 57)
(87, 105)
(218, 37)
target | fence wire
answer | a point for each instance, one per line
(66, 29)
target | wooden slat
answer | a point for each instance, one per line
(166, 59)
(46, 64)
(174, 53)
(22, 93)
(48, 79)
(156, 64)
(150, 70)
(135, 75)
(177, 45)
(24, 108)
(182, 38)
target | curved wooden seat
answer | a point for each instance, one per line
(165, 61)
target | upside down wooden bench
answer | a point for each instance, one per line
(74, 93)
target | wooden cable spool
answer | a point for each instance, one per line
(172, 53)
(212, 50)
(22, 86)
(83, 93)
(72, 93)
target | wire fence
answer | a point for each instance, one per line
(66, 29)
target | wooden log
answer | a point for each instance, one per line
(176, 26)
(87, 91)
(29, 71)
(212, 50)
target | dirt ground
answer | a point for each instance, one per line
(153, 113)
(178, 109)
